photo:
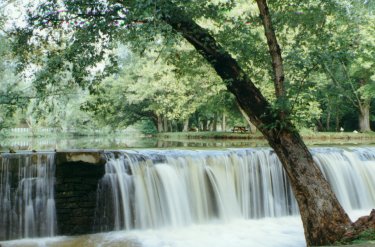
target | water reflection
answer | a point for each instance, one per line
(64, 143)
(129, 142)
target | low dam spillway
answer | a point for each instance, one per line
(27, 202)
(81, 192)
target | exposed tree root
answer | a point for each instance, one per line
(362, 225)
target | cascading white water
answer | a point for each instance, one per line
(351, 174)
(151, 189)
(176, 188)
(27, 205)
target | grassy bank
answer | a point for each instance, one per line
(308, 136)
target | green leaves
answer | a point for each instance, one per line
(327, 46)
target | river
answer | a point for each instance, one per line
(221, 197)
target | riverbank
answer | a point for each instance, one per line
(367, 244)
(311, 138)
(176, 140)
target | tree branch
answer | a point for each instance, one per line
(337, 84)
(351, 84)
(273, 48)
(8, 101)
(302, 82)
(247, 94)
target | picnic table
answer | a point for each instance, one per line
(241, 129)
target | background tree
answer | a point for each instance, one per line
(12, 95)
(348, 59)
(148, 89)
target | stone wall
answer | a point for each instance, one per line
(77, 176)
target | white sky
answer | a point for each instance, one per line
(15, 12)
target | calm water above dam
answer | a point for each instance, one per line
(121, 142)
(115, 143)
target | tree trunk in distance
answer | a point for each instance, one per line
(204, 124)
(224, 123)
(328, 120)
(186, 125)
(214, 122)
(160, 124)
(209, 125)
(253, 129)
(338, 127)
(165, 124)
(170, 125)
(364, 118)
(319, 125)
(323, 218)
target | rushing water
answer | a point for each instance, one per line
(237, 197)
(27, 205)
(153, 189)
(351, 174)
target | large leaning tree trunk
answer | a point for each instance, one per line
(324, 219)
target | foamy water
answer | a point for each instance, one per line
(286, 231)
(269, 232)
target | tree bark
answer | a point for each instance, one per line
(224, 123)
(328, 120)
(273, 48)
(253, 129)
(209, 125)
(205, 124)
(323, 218)
(165, 124)
(170, 125)
(338, 127)
(319, 125)
(364, 117)
(214, 122)
(186, 125)
(160, 124)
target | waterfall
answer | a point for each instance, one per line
(152, 189)
(27, 205)
(351, 174)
